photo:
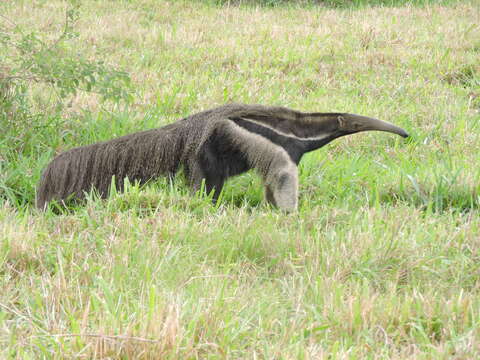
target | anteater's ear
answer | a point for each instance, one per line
(342, 122)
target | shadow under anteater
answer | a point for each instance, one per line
(211, 146)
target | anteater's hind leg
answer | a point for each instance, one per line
(206, 170)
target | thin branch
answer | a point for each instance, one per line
(64, 33)
(101, 336)
(24, 317)
(8, 20)
(204, 277)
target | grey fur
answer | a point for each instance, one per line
(212, 146)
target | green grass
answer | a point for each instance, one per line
(381, 260)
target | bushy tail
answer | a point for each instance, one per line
(43, 196)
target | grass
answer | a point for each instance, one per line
(381, 260)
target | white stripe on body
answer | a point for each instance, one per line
(291, 136)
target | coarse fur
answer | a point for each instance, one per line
(211, 146)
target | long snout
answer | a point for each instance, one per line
(365, 123)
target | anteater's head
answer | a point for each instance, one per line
(350, 124)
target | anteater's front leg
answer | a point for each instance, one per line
(271, 160)
(281, 183)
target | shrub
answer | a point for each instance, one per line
(38, 77)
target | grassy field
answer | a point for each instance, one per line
(382, 259)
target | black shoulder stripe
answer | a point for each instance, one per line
(292, 146)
